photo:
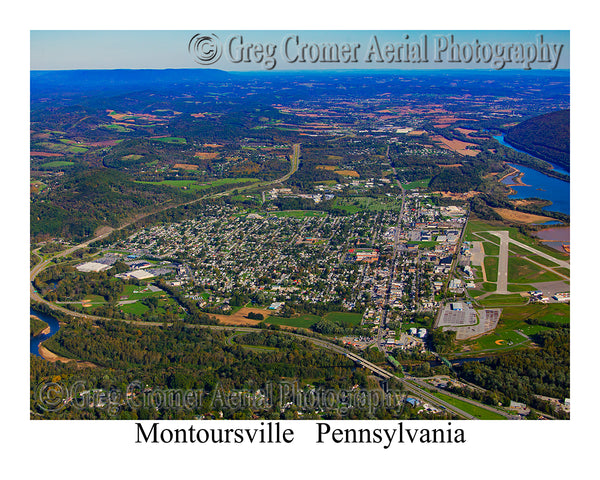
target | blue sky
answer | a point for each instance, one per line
(107, 49)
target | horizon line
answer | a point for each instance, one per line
(308, 70)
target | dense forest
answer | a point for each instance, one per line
(198, 359)
(546, 136)
(83, 202)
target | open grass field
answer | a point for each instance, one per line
(501, 300)
(552, 312)
(172, 183)
(417, 184)
(490, 238)
(563, 270)
(357, 204)
(224, 181)
(425, 244)
(302, 321)
(136, 308)
(259, 348)
(542, 260)
(521, 270)
(116, 128)
(520, 288)
(491, 268)
(512, 248)
(194, 185)
(135, 292)
(474, 410)
(325, 182)
(345, 319)
(172, 140)
(491, 248)
(57, 164)
(61, 147)
(94, 299)
(499, 340)
(300, 213)
(131, 157)
(506, 336)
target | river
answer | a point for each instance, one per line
(34, 342)
(540, 185)
(556, 167)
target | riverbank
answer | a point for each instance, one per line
(37, 327)
(53, 357)
(521, 217)
(534, 184)
(555, 170)
(517, 178)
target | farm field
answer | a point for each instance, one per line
(172, 140)
(57, 163)
(116, 128)
(195, 185)
(521, 217)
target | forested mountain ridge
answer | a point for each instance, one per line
(546, 136)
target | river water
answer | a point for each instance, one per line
(540, 185)
(34, 342)
(555, 166)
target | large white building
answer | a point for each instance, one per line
(92, 267)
